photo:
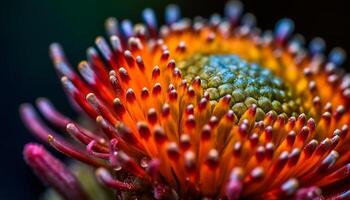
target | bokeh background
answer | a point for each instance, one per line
(29, 26)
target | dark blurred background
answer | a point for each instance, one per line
(29, 26)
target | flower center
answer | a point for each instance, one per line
(247, 83)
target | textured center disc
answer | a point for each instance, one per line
(247, 83)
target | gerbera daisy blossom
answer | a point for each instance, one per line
(200, 109)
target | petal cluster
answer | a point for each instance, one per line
(208, 108)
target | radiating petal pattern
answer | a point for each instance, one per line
(205, 108)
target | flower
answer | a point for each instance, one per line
(203, 109)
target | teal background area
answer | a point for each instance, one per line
(29, 26)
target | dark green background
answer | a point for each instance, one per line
(28, 27)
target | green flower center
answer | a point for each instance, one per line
(247, 83)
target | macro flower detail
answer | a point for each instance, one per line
(247, 84)
(203, 109)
